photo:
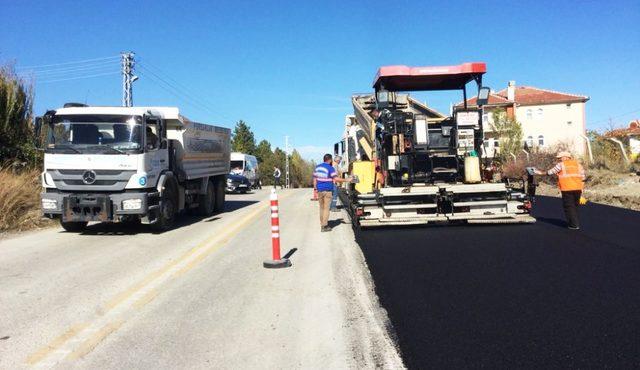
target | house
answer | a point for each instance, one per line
(630, 136)
(548, 118)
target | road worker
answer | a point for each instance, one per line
(324, 177)
(276, 178)
(571, 182)
(334, 197)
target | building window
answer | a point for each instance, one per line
(569, 123)
(529, 114)
(529, 141)
(539, 112)
(540, 140)
(485, 118)
(496, 143)
(568, 105)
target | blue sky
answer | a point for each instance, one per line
(289, 68)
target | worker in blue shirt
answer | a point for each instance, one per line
(324, 177)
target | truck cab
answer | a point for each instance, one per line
(129, 164)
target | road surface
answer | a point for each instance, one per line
(194, 297)
(515, 296)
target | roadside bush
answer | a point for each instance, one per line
(20, 200)
(16, 120)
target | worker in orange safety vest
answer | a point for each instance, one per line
(571, 182)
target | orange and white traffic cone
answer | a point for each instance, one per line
(276, 261)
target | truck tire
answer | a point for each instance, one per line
(207, 201)
(73, 227)
(167, 211)
(220, 195)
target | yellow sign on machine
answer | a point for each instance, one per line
(366, 172)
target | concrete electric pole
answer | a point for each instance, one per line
(127, 78)
(286, 161)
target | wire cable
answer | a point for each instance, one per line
(77, 78)
(70, 69)
(66, 63)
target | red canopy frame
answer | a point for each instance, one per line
(404, 78)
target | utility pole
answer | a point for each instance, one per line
(127, 78)
(286, 161)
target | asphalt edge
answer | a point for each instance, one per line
(371, 334)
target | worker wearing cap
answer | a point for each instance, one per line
(571, 182)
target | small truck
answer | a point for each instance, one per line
(415, 165)
(130, 164)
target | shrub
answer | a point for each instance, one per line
(20, 200)
(16, 119)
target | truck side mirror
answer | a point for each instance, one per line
(483, 96)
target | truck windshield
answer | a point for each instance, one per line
(237, 166)
(103, 134)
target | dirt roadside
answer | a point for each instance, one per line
(605, 187)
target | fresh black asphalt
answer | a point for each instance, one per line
(513, 296)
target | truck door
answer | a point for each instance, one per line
(157, 158)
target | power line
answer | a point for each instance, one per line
(182, 90)
(173, 91)
(78, 78)
(614, 117)
(70, 69)
(66, 63)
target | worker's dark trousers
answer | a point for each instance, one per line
(570, 202)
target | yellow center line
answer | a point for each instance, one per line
(55, 344)
(208, 246)
(88, 345)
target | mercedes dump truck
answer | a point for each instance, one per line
(130, 164)
(415, 165)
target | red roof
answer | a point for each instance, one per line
(528, 95)
(403, 78)
(634, 129)
(494, 99)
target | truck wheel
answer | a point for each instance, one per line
(167, 211)
(220, 195)
(207, 202)
(73, 227)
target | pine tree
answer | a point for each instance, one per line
(263, 151)
(243, 140)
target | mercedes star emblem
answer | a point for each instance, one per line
(89, 177)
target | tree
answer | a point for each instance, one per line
(16, 115)
(509, 132)
(263, 151)
(242, 139)
(301, 171)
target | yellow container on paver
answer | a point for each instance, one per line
(366, 172)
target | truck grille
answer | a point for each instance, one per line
(105, 180)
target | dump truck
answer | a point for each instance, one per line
(130, 164)
(415, 165)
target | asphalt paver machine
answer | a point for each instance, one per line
(415, 165)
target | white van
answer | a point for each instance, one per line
(246, 165)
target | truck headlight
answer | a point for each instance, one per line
(49, 204)
(130, 204)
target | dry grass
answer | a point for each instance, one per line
(20, 200)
